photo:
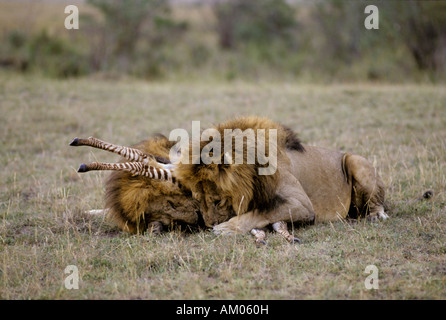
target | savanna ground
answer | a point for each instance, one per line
(401, 129)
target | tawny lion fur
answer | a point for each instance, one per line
(310, 183)
(134, 202)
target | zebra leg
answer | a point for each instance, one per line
(282, 228)
(260, 235)
(155, 227)
(136, 168)
(130, 154)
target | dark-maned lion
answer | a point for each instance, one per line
(310, 183)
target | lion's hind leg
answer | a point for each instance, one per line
(296, 206)
(367, 188)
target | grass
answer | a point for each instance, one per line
(401, 129)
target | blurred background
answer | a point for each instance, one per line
(317, 41)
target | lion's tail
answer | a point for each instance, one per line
(427, 195)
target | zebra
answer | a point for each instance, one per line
(138, 165)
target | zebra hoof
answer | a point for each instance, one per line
(296, 240)
(260, 243)
(75, 142)
(82, 168)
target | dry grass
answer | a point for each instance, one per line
(402, 129)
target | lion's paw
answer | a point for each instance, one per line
(381, 215)
(223, 229)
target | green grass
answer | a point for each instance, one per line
(401, 129)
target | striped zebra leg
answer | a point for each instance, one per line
(260, 236)
(136, 168)
(130, 154)
(282, 228)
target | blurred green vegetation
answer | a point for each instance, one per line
(248, 39)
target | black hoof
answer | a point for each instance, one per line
(296, 240)
(260, 243)
(82, 168)
(75, 142)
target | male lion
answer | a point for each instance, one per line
(307, 184)
(310, 183)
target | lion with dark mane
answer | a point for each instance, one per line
(309, 183)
